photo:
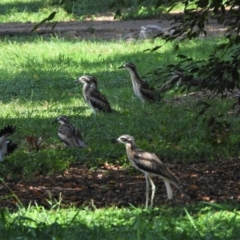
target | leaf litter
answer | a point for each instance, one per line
(112, 185)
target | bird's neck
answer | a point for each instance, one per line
(131, 146)
(85, 89)
(134, 76)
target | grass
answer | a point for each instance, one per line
(37, 10)
(198, 222)
(37, 85)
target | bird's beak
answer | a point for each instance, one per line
(114, 140)
(122, 66)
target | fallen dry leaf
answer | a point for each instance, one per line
(193, 188)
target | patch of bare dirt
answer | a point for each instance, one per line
(112, 186)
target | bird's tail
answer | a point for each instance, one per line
(169, 189)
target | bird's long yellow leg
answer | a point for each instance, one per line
(147, 190)
(153, 190)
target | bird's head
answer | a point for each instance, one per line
(63, 119)
(125, 139)
(88, 80)
(129, 65)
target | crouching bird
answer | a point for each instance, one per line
(150, 165)
(68, 134)
(6, 145)
(93, 97)
(141, 88)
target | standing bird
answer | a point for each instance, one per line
(141, 89)
(68, 134)
(95, 100)
(150, 165)
(6, 145)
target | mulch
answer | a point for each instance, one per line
(111, 185)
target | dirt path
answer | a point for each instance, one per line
(102, 29)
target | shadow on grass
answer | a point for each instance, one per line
(52, 78)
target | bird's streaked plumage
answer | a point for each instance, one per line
(68, 134)
(141, 88)
(94, 98)
(150, 165)
(6, 145)
(178, 78)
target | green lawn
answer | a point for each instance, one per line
(37, 10)
(37, 85)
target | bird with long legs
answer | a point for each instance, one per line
(141, 88)
(6, 145)
(68, 134)
(93, 97)
(149, 164)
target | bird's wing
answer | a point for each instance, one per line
(78, 135)
(152, 95)
(147, 94)
(99, 101)
(67, 134)
(146, 85)
(149, 162)
(7, 131)
(11, 147)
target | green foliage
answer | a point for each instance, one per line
(198, 222)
